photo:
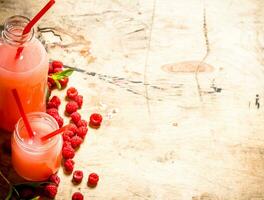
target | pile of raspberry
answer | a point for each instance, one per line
(73, 136)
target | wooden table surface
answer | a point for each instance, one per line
(180, 84)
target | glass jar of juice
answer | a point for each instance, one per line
(32, 158)
(26, 71)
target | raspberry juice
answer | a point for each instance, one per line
(33, 159)
(27, 72)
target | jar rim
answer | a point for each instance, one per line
(50, 143)
(25, 21)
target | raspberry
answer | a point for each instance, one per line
(66, 143)
(55, 70)
(72, 93)
(54, 179)
(50, 68)
(79, 100)
(76, 141)
(75, 117)
(95, 119)
(57, 64)
(59, 120)
(68, 133)
(68, 152)
(54, 102)
(82, 131)
(77, 176)
(66, 138)
(77, 196)
(52, 111)
(51, 81)
(50, 85)
(71, 107)
(64, 82)
(72, 127)
(69, 165)
(50, 190)
(82, 123)
(93, 179)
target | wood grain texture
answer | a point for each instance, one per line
(176, 82)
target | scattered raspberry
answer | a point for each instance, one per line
(56, 70)
(68, 152)
(57, 64)
(76, 117)
(82, 131)
(66, 143)
(54, 179)
(59, 120)
(71, 107)
(54, 102)
(72, 93)
(50, 85)
(51, 81)
(95, 119)
(77, 196)
(82, 123)
(73, 128)
(93, 179)
(77, 176)
(50, 69)
(69, 165)
(64, 82)
(79, 100)
(50, 190)
(69, 133)
(66, 138)
(52, 111)
(76, 141)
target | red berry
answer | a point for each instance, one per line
(59, 120)
(71, 107)
(96, 119)
(76, 141)
(77, 196)
(77, 176)
(50, 80)
(57, 64)
(72, 93)
(66, 138)
(82, 123)
(76, 117)
(69, 165)
(64, 82)
(66, 144)
(55, 70)
(50, 68)
(68, 152)
(73, 128)
(93, 179)
(82, 131)
(54, 102)
(79, 100)
(52, 111)
(54, 179)
(50, 190)
(50, 85)
(69, 133)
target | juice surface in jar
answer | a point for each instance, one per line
(26, 72)
(34, 159)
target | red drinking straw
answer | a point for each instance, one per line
(29, 26)
(22, 113)
(52, 134)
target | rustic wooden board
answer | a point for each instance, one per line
(176, 82)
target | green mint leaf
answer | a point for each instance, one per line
(57, 84)
(62, 75)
